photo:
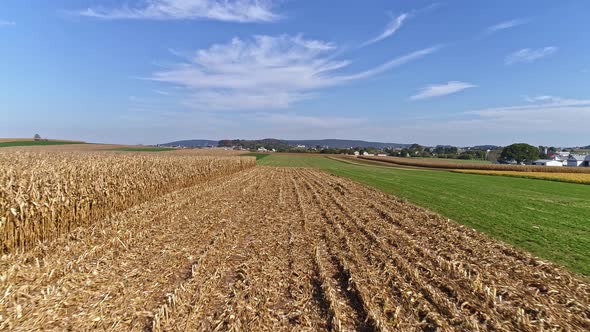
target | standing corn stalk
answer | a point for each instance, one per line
(45, 195)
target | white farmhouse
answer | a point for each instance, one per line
(547, 162)
(356, 153)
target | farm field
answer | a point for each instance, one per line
(28, 145)
(475, 166)
(449, 160)
(11, 143)
(526, 213)
(284, 249)
(143, 149)
(562, 177)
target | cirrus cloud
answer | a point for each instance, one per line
(390, 29)
(527, 55)
(265, 72)
(438, 90)
(220, 10)
(505, 25)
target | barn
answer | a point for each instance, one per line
(576, 160)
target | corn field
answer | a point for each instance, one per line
(583, 178)
(488, 167)
(280, 249)
(46, 195)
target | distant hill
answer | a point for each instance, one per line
(345, 143)
(330, 143)
(484, 147)
(193, 143)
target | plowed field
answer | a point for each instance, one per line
(272, 249)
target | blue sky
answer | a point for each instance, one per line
(151, 71)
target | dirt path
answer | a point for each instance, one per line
(285, 249)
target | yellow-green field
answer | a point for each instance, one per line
(562, 177)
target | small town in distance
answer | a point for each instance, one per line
(518, 153)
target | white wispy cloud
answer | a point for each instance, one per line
(399, 61)
(438, 90)
(544, 99)
(527, 55)
(506, 25)
(554, 116)
(221, 10)
(542, 103)
(543, 120)
(542, 114)
(265, 72)
(4, 23)
(396, 23)
(391, 28)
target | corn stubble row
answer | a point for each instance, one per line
(489, 167)
(45, 195)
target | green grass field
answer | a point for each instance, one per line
(257, 155)
(142, 149)
(549, 219)
(34, 143)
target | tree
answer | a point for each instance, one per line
(520, 152)
(37, 137)
(416, 147)
(493, 155)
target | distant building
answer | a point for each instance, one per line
(587, 161)
(262, 149)
(547, 162)
(381, 155)
(576, 160)
(356, 153)
(366, 154)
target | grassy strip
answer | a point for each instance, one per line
(358, 161)
(560, 177)
(35, 143)
(142, 149)
(546, 218)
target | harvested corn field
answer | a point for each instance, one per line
(44, 195)
(270, 249)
